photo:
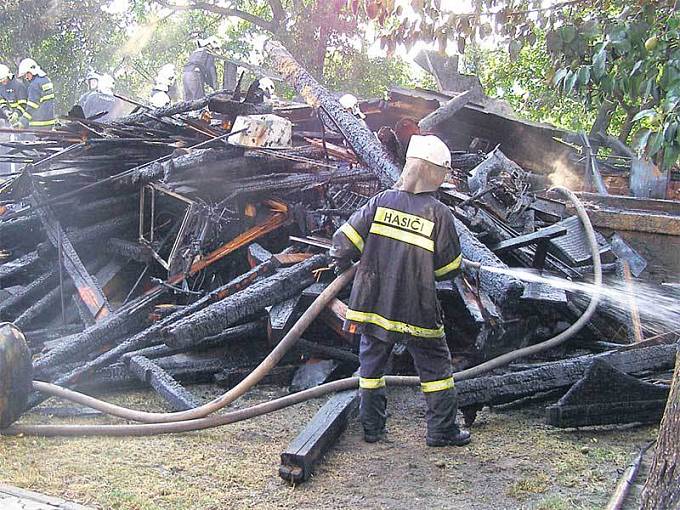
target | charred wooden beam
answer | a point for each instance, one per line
(167, 111)
(163, 383)
(18, 266)
(297, 461)
(433, 120)
(229, 311)
(151, 335)
(130, 250)
(282, 316)
(93, 233)
(359, 137)
(86, 287)
(41, 285)
(327, 351)
(605, 395)
(500, 389)
(227, 106)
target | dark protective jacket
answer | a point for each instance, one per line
(13, 96)
(404, 241)
(40, 104)
(199, 71)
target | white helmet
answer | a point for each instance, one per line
(106, 84)
(429, 148)
(267, 85)
(5, 73)
(212, 43)
(167, 73)
(350, 103)
(28, 65)
(161, 84)
(160, 98)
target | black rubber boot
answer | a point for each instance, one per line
(373, 414)
(442, 429)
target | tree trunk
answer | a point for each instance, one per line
(662, 489)
(602, 121)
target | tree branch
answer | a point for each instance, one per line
(278, 12)
(221, 11)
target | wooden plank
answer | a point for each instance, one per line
(297, 461)
(527, 239)
(444, 112)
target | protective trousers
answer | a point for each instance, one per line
(433, 363)
(194, 85)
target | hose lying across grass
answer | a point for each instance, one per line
(203, 417)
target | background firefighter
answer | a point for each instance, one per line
(200, 70)
(39, 111)
(404, 238)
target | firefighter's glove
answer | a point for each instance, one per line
(340, 266)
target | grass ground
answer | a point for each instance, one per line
(514, 462)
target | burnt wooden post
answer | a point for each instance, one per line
(297, 461)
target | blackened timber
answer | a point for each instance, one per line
(151, 335)
(163, 383)
(297, 461)
(245, 332)
(359, 137)
(129, 250)
(167, 111)
(327, 351)
(606, 395)
(528, 239)
(229, 311)
(96, 232)
(224, 105)
(500, 389)
(443, 113)
(86, 287)
(39, 286)
(504, 290)
(18, 266)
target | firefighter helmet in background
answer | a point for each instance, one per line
(267, 86)
(28, 65)
(92, 76)
(5, 73)
(167, 74)
(350, 103)
(106, 84)
(210, 43)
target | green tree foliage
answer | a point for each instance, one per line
(65, 37)
(608, 51)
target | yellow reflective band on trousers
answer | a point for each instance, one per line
(451, 266)
(353, 236)
(403, 236)
(440, 385)
(42, 123)
(371, 384)
(396, 326)
(404, 220)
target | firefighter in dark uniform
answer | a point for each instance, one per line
(200, 69)
(12, 95)
(404, 239)
(39, 112)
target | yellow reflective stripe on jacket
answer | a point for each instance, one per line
(28, 115)
(371, 384)
(32, 104)
(403, 236)
(396, 326)
(46, 98)
(41, 123)
(440, 385)
(3, 101)
(404, 220)
(451, 266)
(47, 86)
(353, 236)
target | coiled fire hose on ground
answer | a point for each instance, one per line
(203, 418)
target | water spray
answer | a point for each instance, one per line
(14, 391)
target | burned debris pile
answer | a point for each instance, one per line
(177, 246)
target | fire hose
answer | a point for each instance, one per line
(203, 418)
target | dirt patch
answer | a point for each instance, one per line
(514, 461)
